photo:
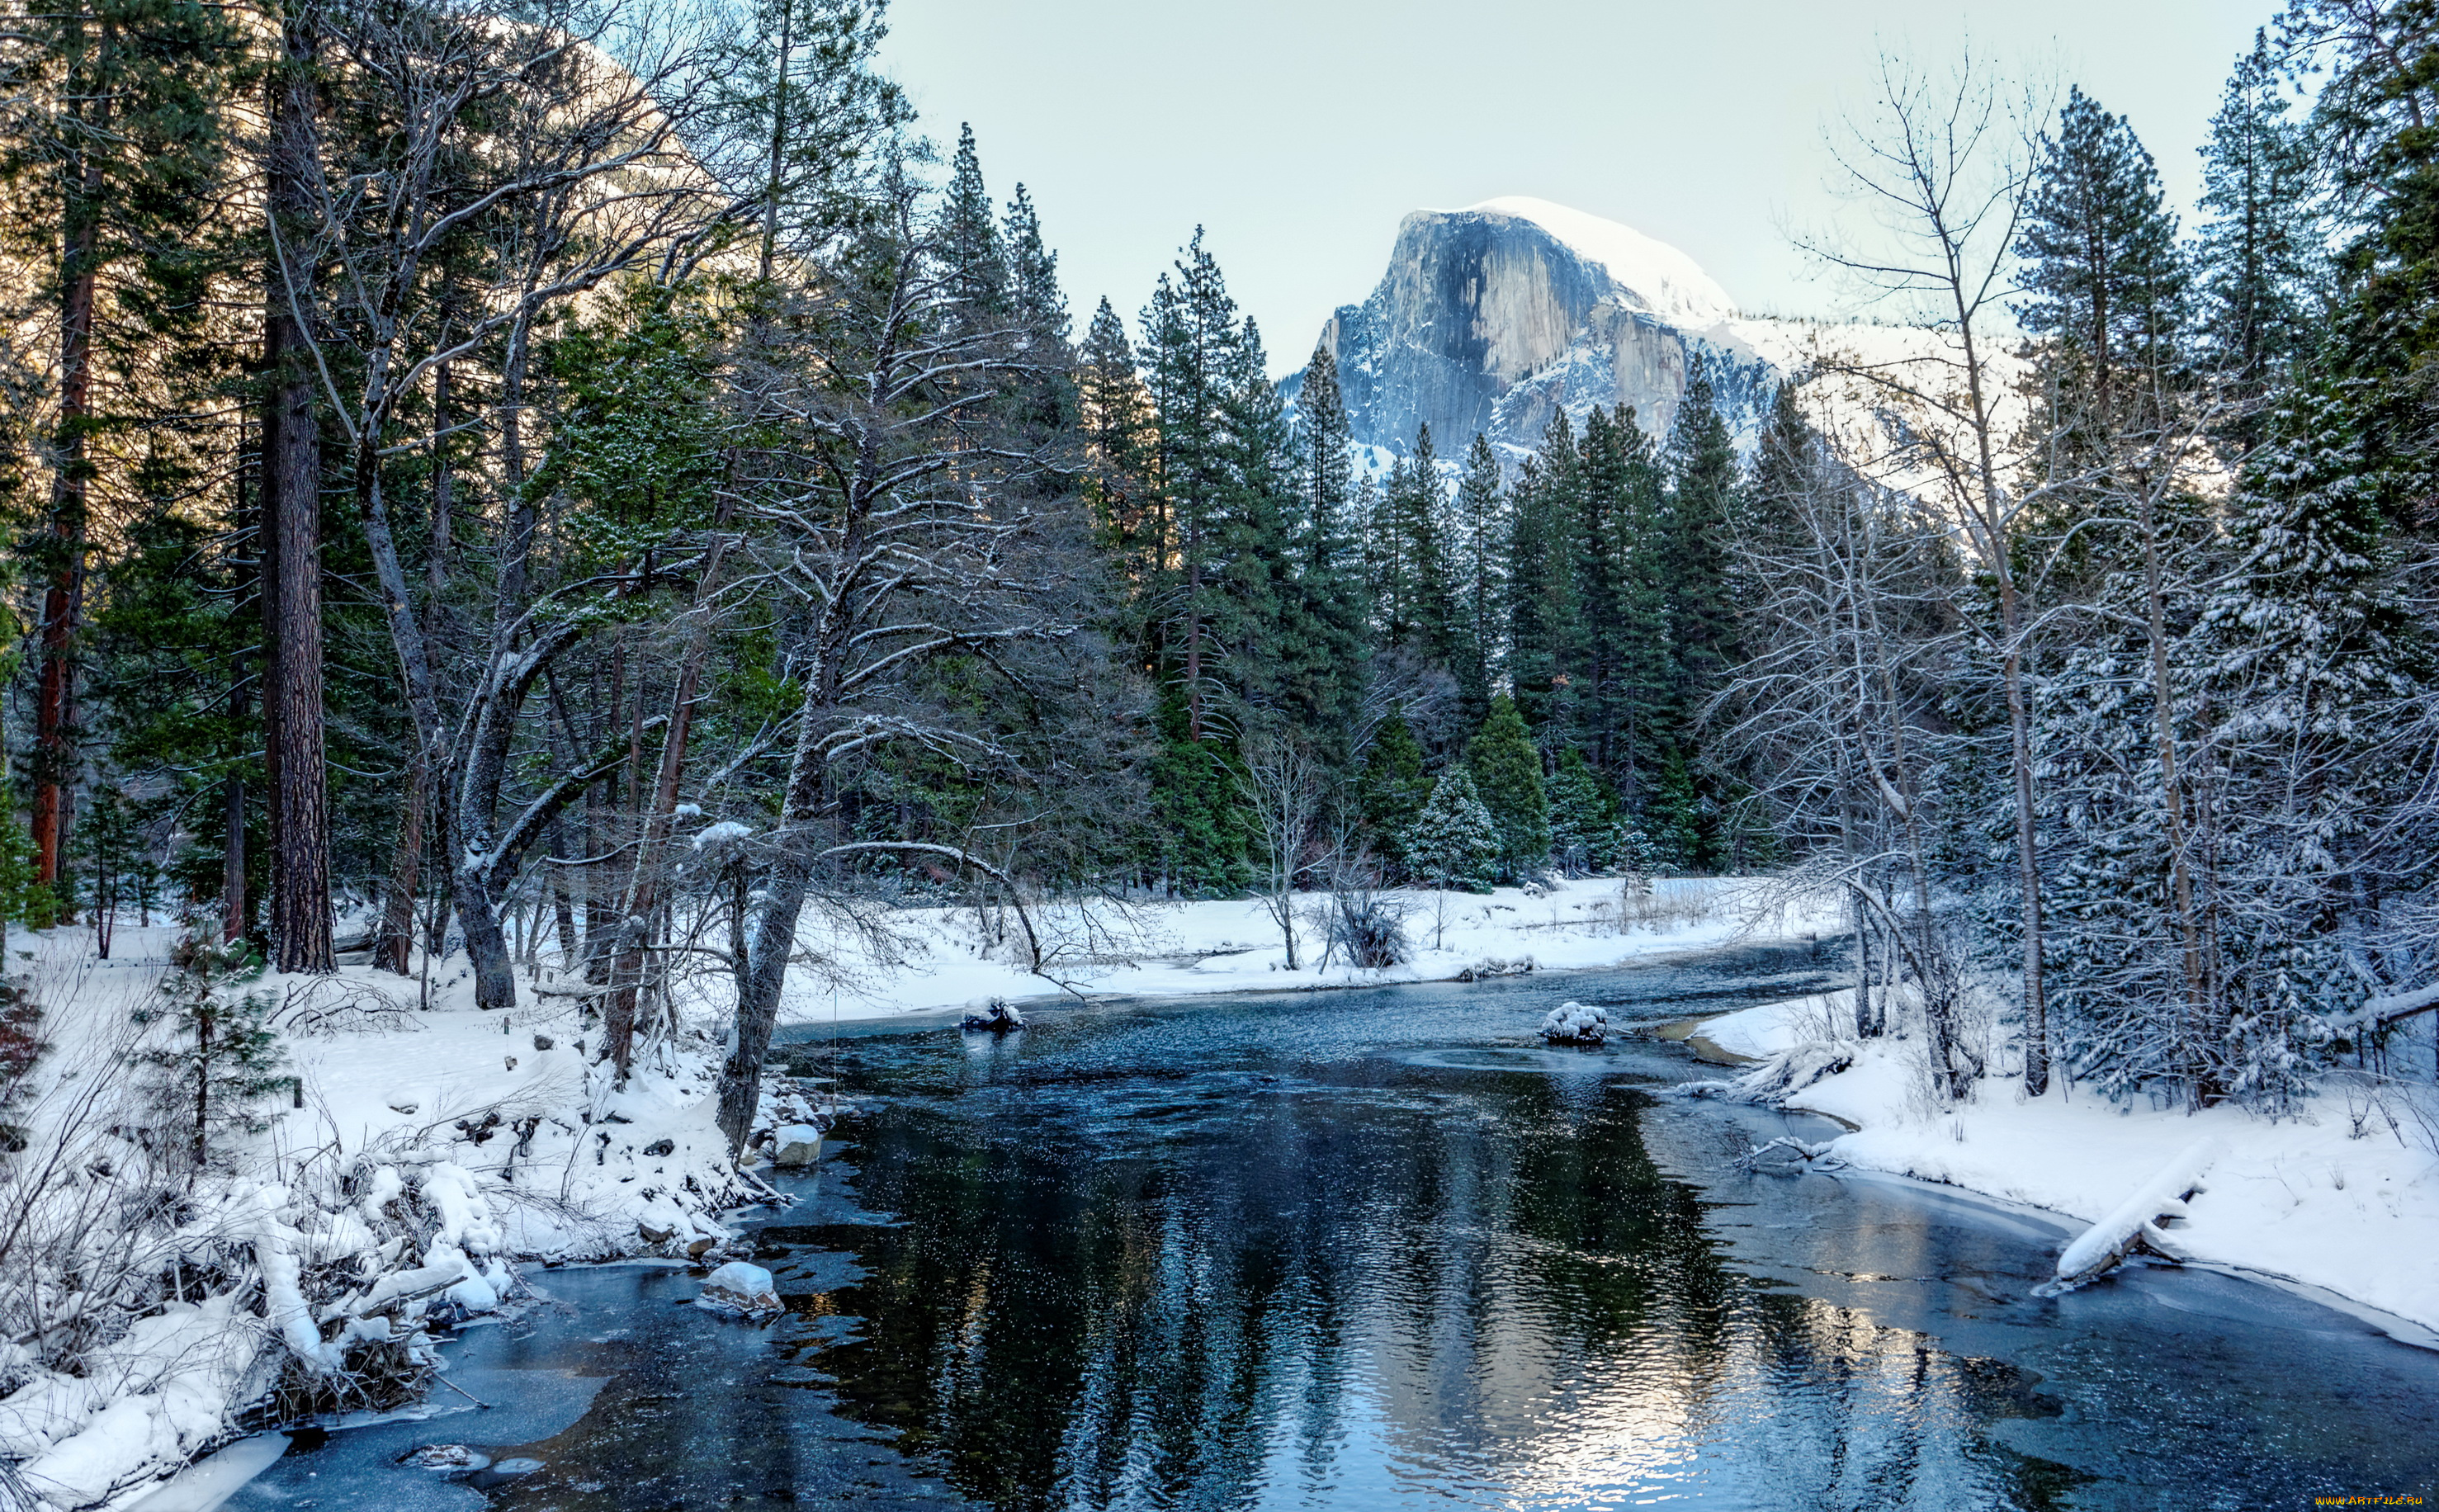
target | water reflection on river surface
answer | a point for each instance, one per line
(1364, 1249)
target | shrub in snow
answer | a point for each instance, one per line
(1483, 971)
(1575, 1024)
(997, 1016)
(1367, 928)
(21, 1046)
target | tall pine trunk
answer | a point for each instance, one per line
(63, 584)
(292, 565)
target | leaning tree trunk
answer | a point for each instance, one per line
(292, 565)
(643, 893)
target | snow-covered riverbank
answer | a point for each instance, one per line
(423, 1152)
(2344, 1198)
(427, 1148)
(947, 957)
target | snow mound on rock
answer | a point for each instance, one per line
(740, 1288)
(1575, 1024)
(997, 1016)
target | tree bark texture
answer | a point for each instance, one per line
(292, 557)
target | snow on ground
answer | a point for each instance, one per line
(427, 1149)
(2344, 1197)
(949, 957)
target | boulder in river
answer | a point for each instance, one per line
(455, 1458)
(996, 1016)
(745, 1291)
(1575, 1024)
(796, 1145)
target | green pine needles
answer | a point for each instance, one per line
(1454, 844)
(222, 1058)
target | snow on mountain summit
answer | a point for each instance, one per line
(1670, 284)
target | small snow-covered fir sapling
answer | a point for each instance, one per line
(222, 1058)
(21, 1046)
(25, 897)
(1454, 843)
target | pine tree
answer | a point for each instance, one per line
(1259, 609)
(1544, 598)
(1191, 356)
(1414, 588)
(119, 871)
(1507, 773)
(2258, 251)
(1699, 527)
(1120, 442)
(1583, 820)
(1628, 617)
(221, 1059)
(1479, 546)
(1393, 789)
(2315, 661)
(1455, 844)
(1034, 295)
(1323, 649)
(2105, 277)
(974, 258)
(1672, 816)
(118, 137)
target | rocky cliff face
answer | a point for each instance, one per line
(1493, 319)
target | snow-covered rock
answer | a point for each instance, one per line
(996, 1016)
(1575, 1024)
(796, 1145)
(739, 1287)
(450, 1457)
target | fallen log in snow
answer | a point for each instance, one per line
(2135, 1224)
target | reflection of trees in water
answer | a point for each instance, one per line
(1485, 1273)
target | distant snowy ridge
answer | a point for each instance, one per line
(1499, 317)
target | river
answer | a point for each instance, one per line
(1381, 1249)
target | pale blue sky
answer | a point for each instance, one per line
(1299, 130)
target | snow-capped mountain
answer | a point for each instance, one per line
(1495, 317)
